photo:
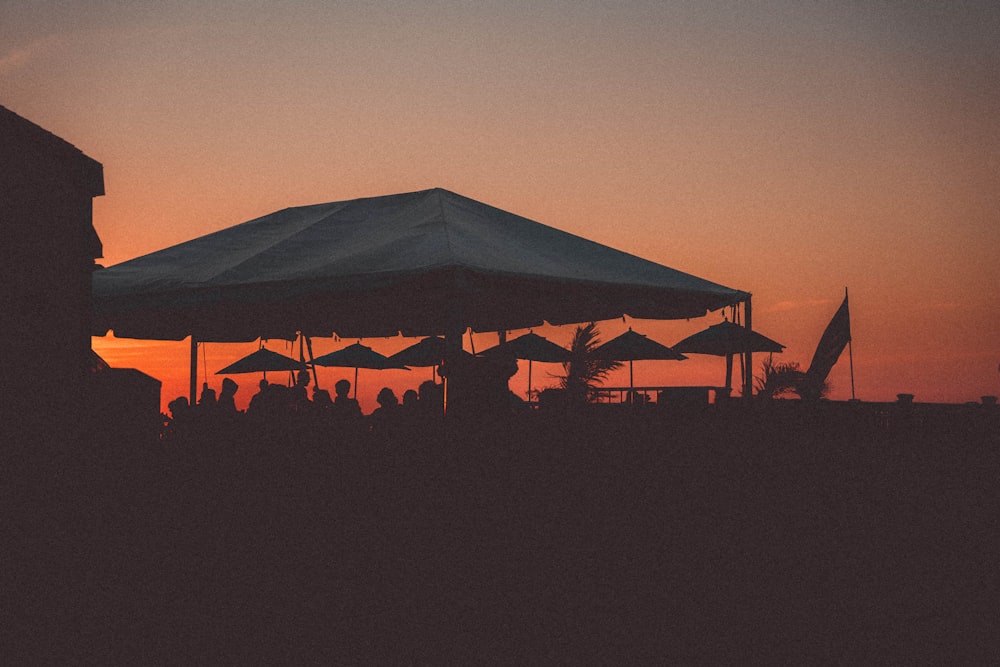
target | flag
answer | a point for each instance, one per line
(835, 338)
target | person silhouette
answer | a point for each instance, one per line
(387, 412)
(180, 416)
(299, 396)
(431, 398)
(345, 415)
(207, 403)
(258, 402)
(227, 402)
(179, 407)
(479, 386)
(207, 395)
(345, 407)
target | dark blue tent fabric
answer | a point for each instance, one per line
(411, 263)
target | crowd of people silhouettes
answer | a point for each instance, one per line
(277, 406)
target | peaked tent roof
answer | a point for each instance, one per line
(381, 265)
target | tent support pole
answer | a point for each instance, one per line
(729, 372)
(194, 371)
(747, 351)
(309, 348)
(453, 334)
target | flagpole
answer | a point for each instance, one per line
(747, 350)
(850, 351)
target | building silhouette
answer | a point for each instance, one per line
(47, 255)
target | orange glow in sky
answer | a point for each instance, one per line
(786, 149)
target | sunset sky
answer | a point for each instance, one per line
(789, 149)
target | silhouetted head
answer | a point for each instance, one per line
(262, 385)
(410, 398)
(430, 395)
(207, 395)
(303, 378)
(229, 386)
(178, 406)
(386, 397)
(343, 388)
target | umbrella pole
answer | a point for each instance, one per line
(355, 383)
(529, 380)
(194, 370)
(631, 391)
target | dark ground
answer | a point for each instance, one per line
(847, 534)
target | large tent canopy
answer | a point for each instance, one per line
(419, 263)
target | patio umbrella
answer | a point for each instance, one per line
(262, 361)
(426, 352)
(727, 339)
(356, 356)
(632, 346)
(534, 348)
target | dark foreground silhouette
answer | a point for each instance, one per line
(833, 534)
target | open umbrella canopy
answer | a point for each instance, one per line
(426, 352)
(727, 338)
(421, 263)
(261, 361)
(632, 346)
(532, 347)
(356, 355)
